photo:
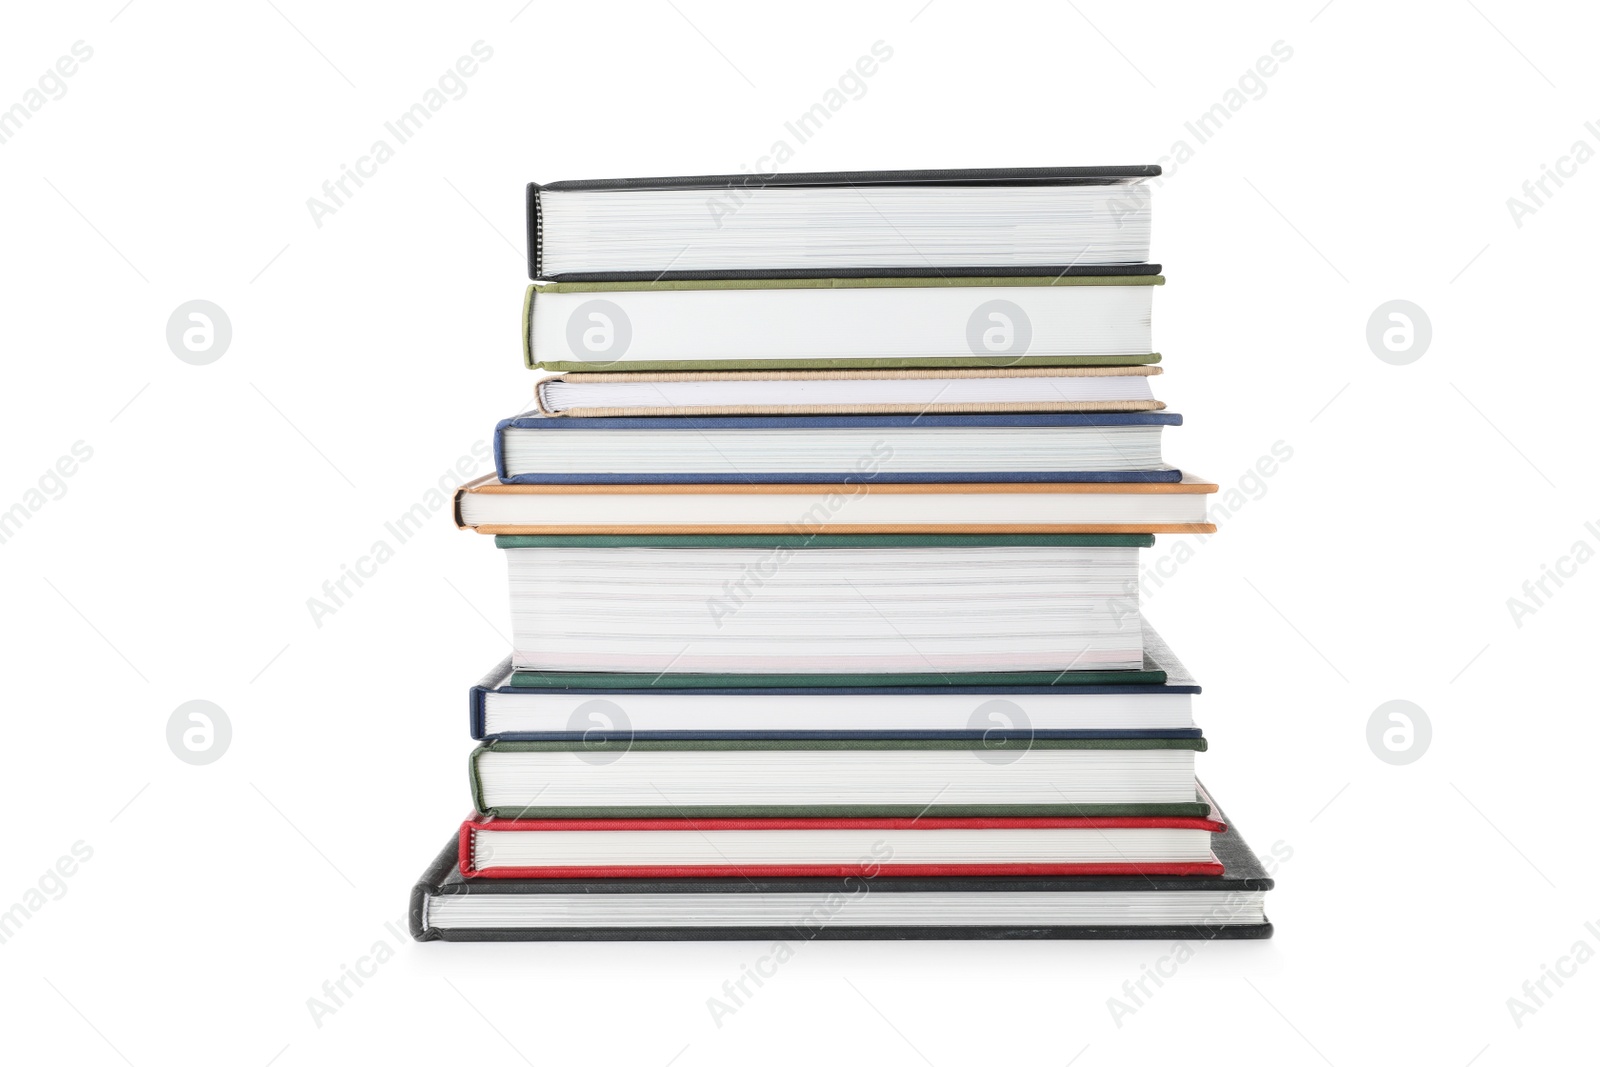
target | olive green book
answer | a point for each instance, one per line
(860, 323)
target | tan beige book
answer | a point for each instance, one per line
(974, 390)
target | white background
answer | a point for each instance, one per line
(371, 353)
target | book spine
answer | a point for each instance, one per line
(500, 448)
(417, 913)
(527, 328)
(540, 401)
(475, 780)
(535, 232)
(464, 850)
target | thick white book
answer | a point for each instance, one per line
(824, 605)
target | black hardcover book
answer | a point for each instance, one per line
(1015, 221)
(445, 906)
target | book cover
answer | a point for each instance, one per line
(875, 838)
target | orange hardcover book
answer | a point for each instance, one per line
(491, 507)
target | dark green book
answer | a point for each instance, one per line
(1151, 675)
(623, 777)
(822, 541)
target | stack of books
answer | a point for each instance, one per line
(823, 540)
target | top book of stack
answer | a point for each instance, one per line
(1011, 222)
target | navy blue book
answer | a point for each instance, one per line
(1116, 447)
(611, 716)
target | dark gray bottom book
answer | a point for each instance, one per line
(447, 907)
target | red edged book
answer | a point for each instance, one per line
(778, 848)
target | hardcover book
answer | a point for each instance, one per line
(919, 681)
(929, 847)
(934, 391)
(840, 323)
(1038, 220)
(836, 779)
(494, 507)
(1112, 447)
(826, 604)
(637, 708)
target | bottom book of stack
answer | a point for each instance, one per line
(834, 879)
